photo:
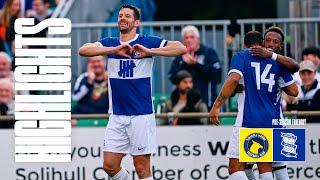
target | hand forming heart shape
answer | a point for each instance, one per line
(138, 50)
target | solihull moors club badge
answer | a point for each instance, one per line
(256, 145)
(288, 143)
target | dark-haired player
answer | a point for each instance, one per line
(273, 43)
(132, 127)
(272, 47)
(258, 103)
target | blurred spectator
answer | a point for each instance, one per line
(185, 99)
(6, 97)
(309, 92)
(2, 48)
(201, 61)
(91, 88)
(40, 11)
(9, 13)
(5, 70)
(311, 54)
(25, 6)
(6, 102)
(5, 67)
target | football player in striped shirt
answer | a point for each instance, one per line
(132, 127)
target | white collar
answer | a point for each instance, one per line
(127, 42)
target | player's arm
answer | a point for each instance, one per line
(291, 90)
(287, 83)
(227, 90)
(290, 64)
(96, 49)
(237, 68)
(172, 48)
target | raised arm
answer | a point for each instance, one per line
(227, 90)
(96, 49)
(290, 64)
(172, 48)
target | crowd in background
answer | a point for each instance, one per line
(10, 11)
(195, 75)
(308, 81)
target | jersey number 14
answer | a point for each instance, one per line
(263, 77)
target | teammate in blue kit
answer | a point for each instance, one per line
(258, 104)
(132, 127)
(273, 40)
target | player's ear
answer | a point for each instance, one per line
(137, 23)
(281, 47)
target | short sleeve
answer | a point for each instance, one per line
(285, 78)
(237, 64)
(104, 42)
(156, 42)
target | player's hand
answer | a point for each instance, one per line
(214, 116)
(123, 50)
(260, 51)
(291, 99)
(141, 51)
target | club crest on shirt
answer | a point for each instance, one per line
(126, 68)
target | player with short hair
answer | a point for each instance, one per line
(273, 40)
(262, 79)
(132, 127)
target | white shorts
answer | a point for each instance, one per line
(135, 135)
(233, 149)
